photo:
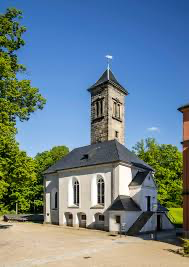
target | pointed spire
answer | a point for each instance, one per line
(108, 68)
(108, 77)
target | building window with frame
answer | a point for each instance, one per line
(116, 134)
(101, 218)
(100, 191)
(118, 219)
(116, 110)
(99, 106)
(76, 193)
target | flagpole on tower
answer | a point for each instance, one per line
(109, 58)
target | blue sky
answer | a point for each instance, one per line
(66, 44)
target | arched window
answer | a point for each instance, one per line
(76, 192)
(100, 191)
(56, 200)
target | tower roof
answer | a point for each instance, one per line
(183, 107)
(108, 77)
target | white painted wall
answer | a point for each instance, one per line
(51, 186)
(139, 193)
(88, 195)
(127, 217)
(123, 176)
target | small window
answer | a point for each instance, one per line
(116, 134)
(118, 219)
(101, 218)
(70, 216)
(83, 217)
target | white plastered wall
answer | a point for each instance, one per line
(139, 193)
(88, 193)
(122, 178)
(127, 217)
(51, 187)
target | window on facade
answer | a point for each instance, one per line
(56, 200)
(76, 193)
(100, 191)
(83, 217)
(101, 218)
(116, 110)
(116, 134)
(118, 219)
(70, 216)
(99, 108)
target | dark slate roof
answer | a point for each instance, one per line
(105, 78)
(183, 107)
(161, 208)
(100, 153)
(139, 178)
(124, 203)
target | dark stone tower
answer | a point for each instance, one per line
(107, 109)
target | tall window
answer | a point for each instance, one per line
(56, 200)
(100, 191)
(99, 108)
(76, 193)
(116, 110)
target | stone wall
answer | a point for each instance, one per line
(104, 127)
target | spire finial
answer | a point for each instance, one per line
(109, 58)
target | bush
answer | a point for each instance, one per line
(186, 246)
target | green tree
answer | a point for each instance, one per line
(167, 163)
(18, 100)
(43, 161)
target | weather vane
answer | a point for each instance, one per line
(109, 58)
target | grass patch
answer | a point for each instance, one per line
(176, 215)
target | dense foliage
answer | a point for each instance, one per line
(21, 179)
(167, 163)
(18, 99)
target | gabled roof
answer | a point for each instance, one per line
(139, 178)
(95, 154)
(108, 77)
(183, 107)
(125, 203)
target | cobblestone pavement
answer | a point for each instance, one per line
(29, 244)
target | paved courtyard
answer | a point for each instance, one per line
(29, 244)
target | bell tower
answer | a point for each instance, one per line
(107, 109)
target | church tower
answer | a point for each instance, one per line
(107, 109)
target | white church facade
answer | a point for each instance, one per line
(104, 185)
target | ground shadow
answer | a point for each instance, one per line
(5, 226)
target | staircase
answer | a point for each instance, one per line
(139, 223)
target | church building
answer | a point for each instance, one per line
(104, 185)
